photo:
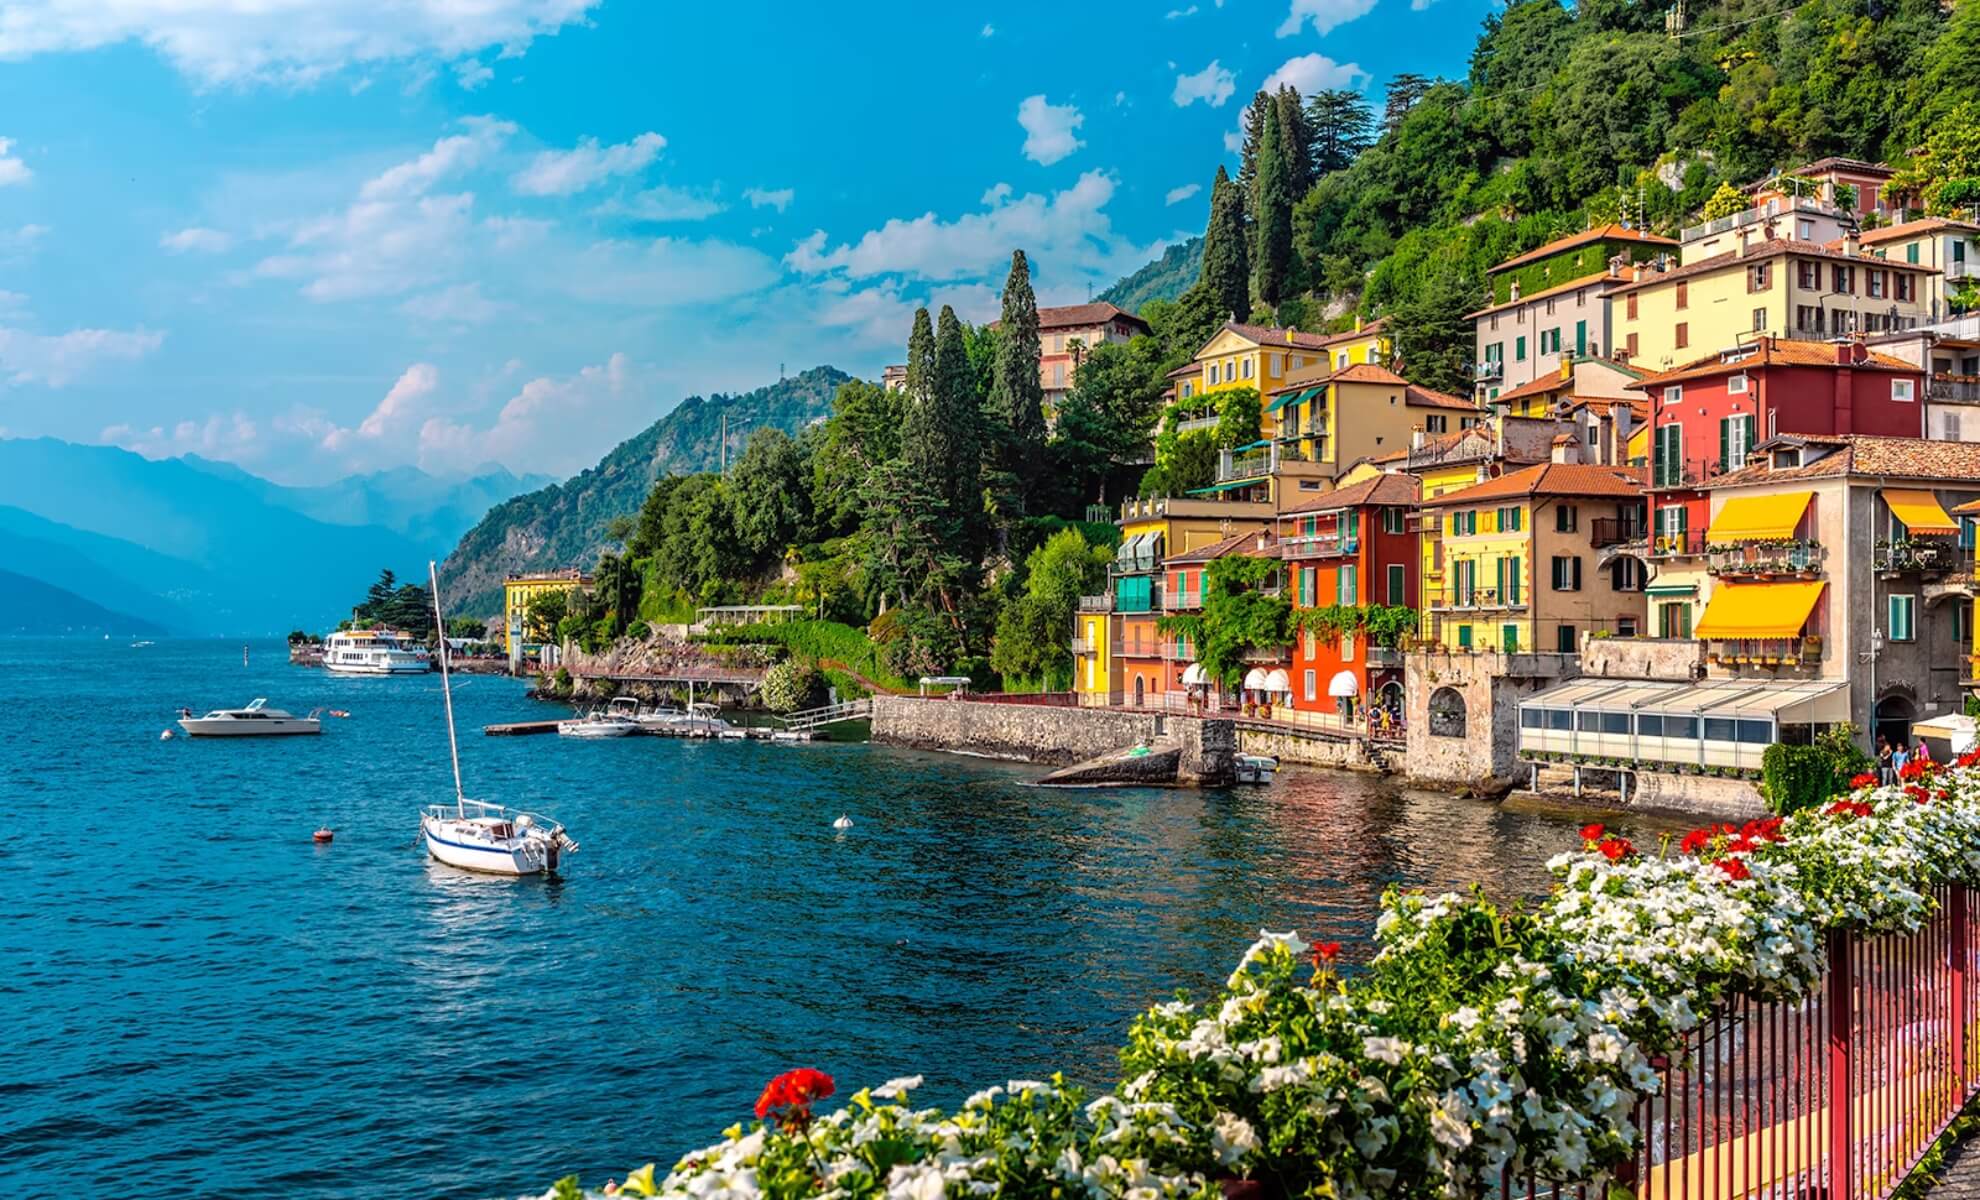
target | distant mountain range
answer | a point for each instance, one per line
(564, 525)
(200, 547)
(29, 606)
(1164, 279)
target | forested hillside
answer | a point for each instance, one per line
(1568, 117)
(567, 524)
(1164, 279)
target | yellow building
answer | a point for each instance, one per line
(1525, 564)
(520, 591)
(1795, 289)
(1261, 357)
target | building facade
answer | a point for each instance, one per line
(1950, 247)
(1352, 548)
(520, 591)
(1067, 334)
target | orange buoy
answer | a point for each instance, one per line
(322, 835)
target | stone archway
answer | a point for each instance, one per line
(1895, 713)
(1447, 713)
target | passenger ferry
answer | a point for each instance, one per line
(374, 652)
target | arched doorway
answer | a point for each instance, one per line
(1895, 714)
(1446, 713)
(1137, 691)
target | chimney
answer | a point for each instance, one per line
(1357, 322)
(1745, 242)
(1851, 246)
(1567, 368)
(1515, 289)
(1636, 272)
(1290, 331)
(1416, 437)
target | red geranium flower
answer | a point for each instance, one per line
(1735, 868)
(1911, 770)
(1848, 808)
(1591, 833)
(1326, 953)
(1917, 793)
(1695, 841)
(1615, 849)
(1764, 829)
(788, 1098)
(1862, 781)
(1968, 759)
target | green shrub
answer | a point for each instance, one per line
(792, 685)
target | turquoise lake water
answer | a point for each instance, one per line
(199, 1001)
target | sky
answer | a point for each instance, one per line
(323, 237)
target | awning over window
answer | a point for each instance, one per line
(1919, 511)
(1759, 610)
(1754, 518)
(1288, 398)
(1672, 589)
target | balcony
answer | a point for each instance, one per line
(1766, 560)
(1689, 543)
(1489, 371)
(1181, 601)
(1384, 656)
(1232, 466)
(1920, 556)
(1197, 425)
(1961, 269)
(1081, 647)
(1100, 603)
(1765, 656)
(1691, 472)
(1604, 532)
(1481, 600)
(1957, 389)
(1319, 545)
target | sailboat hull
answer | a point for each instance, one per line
(533, 856)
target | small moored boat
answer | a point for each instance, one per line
(476, 835)
(256, 720)
(1253, 768)
(598, 725)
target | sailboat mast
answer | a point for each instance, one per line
(446, 686)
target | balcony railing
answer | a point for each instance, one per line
(1686, 544)
(1197, 425)
(1489, 370)
(1921, 556)
(1614, 531)
(1137, 604)
(1963, 389)
(1180, 600)
(1757, 559)
(1319, 545)
(1765, 654)
(1081, 646)
(1100, 603)
(1480, 599)
(1232, 466)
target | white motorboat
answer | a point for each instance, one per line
(598, 725)
(256, 720)
(374, 652)
(476, 835)
(1253, 768)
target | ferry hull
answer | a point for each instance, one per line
(410, 668)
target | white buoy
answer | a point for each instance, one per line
(165, 735)
(844, 822)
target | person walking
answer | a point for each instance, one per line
(1899, 757)
(1885, 772)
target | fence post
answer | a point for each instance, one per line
(1956, 951)
(1842, 1102)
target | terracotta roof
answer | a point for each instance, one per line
(1772, 248)
(1368, 373)
(1639, 406)
(1188, 368)
(1423, 397)
(1837, 162)
(1385, 489)
(1238, 543)
(1775, 352)
(1268, 335)
(1098, 313)
(1610, 232)
(1865, 454)
(1535, 387)
(1570, 286)
(1888, 233)
(1551, 479)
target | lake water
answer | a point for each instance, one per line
(198, 1000)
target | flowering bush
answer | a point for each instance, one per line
(1480, 1039)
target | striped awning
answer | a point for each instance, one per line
(1286, 398)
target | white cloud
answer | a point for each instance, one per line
(664, 203)
(554, 421)
(564, 172)
(197, 240)
(15, 243)
(664, 272)
(1048, 129)
(1324, 14)
(12, 170)
(1310, 73)
(449, 156)
(291, 41)
(1177, 14)
(59, 359)
(1176, 195)
(461, 304)
(1066, 234)
(231, 437)
(778, 198)
(472, 73)
(12, 303)
(1213, 85)
(395, 415)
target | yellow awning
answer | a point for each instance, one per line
(1759, 610)
(1753, 518)
(1919, 511)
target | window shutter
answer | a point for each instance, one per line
(1577, 572)
(1725, 442)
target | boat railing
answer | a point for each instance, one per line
(488, 808)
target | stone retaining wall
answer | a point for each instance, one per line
(1290, 747)
(1026, 732)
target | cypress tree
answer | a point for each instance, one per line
(1226, 259)
(1254, 128)
(920, 360)
(956, 416)
(1272, 214)
(1296, 137)
(1016, 395)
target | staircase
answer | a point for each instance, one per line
(830, 714)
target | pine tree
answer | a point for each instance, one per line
(1016, 395)
(1272, 248)
(1254, 128)
(1226, 258)
(1340, 122)
(1404, 91)
(920, 360)
(1297, 139)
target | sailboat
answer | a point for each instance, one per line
(476, 835)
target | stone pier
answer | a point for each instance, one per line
(1055, 735)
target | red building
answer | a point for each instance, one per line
(1706, 416)
(1185, 579)
(1352, 547)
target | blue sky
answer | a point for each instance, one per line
(322, 236)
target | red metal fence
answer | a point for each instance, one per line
(1750, 1107)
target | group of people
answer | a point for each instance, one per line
(1894, 754)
